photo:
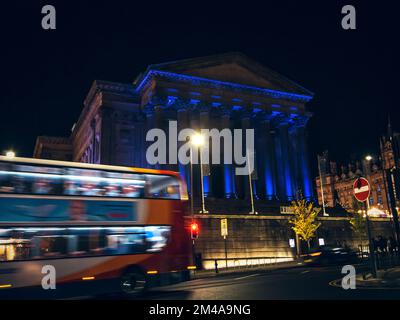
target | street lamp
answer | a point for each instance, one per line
(10, 154)
(368, 158)
(253, 211)
(197, 140)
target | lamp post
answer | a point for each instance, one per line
(198, 141)
(368, 158)
(253, 211)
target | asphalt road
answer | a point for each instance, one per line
(299, 283)
(296, 283)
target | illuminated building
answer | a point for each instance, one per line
(338, 183)
(223, 91)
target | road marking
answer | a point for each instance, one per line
(334, 283)
(251, 275)
(307, 271)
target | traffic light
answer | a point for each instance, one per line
(194, 230)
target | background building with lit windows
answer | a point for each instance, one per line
(338, 180)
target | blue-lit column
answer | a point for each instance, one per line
(182, 119)
(268, 158)
(284, 168)
(204, 124)
(246, 115)
(193, 120)
(150, 124)
(154, 119)
(229, 174)
(294, 152)
(304, 164)
(159, 123)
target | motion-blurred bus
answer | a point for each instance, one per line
(91, 222)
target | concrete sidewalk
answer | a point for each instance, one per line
(389, 278)
(198, 274)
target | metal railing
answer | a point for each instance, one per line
(385, 259)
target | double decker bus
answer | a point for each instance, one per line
(119, 225)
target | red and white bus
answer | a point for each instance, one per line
(91, 222)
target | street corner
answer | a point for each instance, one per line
(386, 279)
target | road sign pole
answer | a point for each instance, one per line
(372, 259)
(362, 190)
(224, 233)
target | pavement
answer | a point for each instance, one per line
(389, 278)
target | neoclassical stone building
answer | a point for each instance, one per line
(221, 91)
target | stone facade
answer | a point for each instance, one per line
(254, 240)
(224, 91)
(56, 148)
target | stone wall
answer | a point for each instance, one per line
(265, 239)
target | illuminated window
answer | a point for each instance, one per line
(33, 243)
(86, 182)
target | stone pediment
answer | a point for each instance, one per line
(233, 68)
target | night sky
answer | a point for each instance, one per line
(45, 75)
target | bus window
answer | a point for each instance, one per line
(126, 240)
(112, 190)
(90, 189)
(13, 183)
(42, 186)
(13, 246)
(29, 182)
(163, 187)
(45, 243)
(130, 191)
(8, 252)
(70, 188)
(157, 237)
(40, 180)
(53, 246)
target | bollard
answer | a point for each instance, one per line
(216, 265)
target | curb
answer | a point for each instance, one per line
(371, 284)
(199, 275)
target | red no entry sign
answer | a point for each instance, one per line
(361, 189)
